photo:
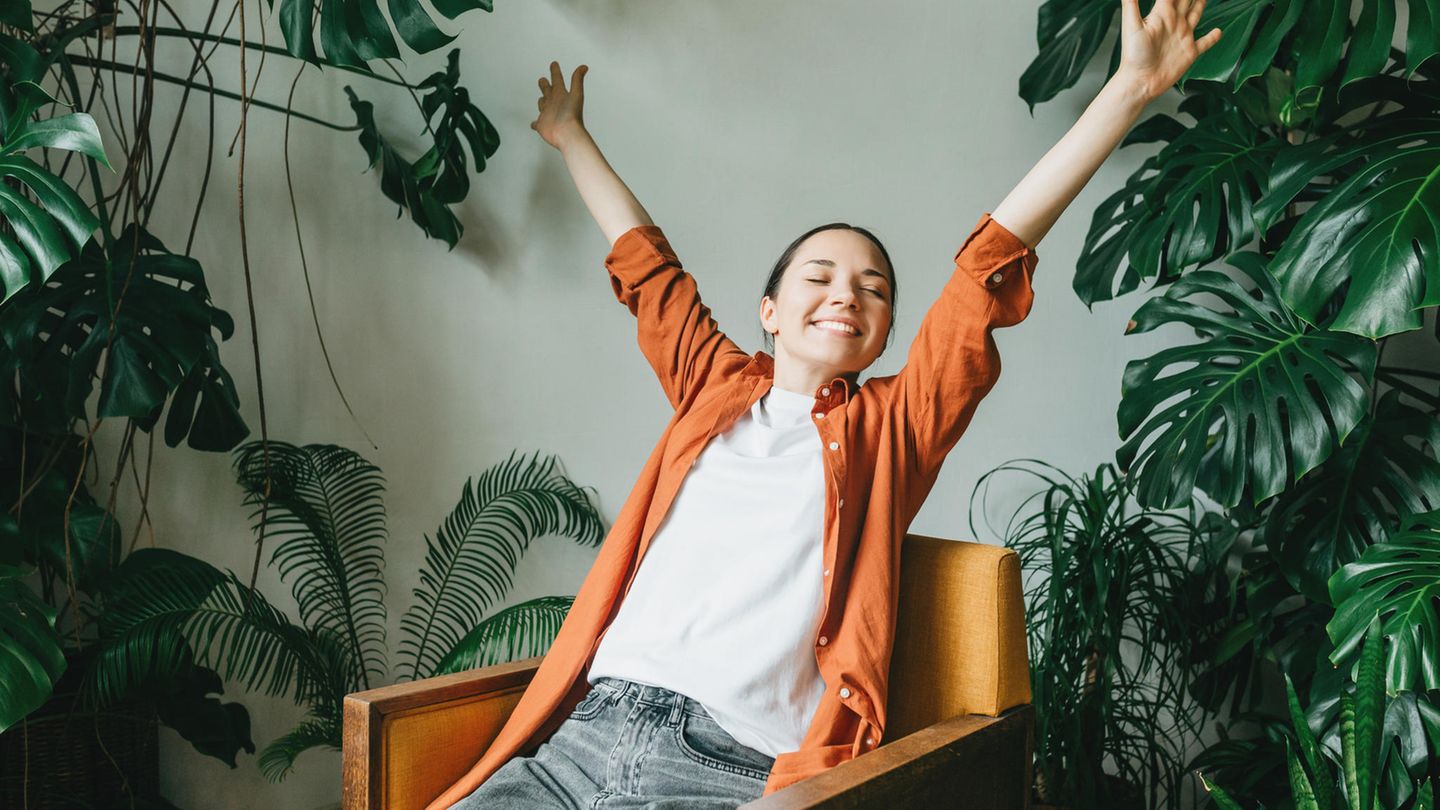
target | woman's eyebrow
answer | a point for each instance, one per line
(869, 271)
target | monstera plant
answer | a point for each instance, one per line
(326, 516)
(99, 290)
(1288, 219)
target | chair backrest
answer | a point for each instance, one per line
(959, 636)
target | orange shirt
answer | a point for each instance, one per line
(884, 443)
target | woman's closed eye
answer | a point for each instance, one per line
(879, 293)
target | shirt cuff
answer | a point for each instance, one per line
(989, 251)
(637, 252)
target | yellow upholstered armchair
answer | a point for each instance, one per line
(959, 721)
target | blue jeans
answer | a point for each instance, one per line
(629, 745)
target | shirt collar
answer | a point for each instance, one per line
(762, 365)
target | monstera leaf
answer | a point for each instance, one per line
(1259, 403)
(1387, 468)
(30, 657)
(46, 216)
(54, 338)
(354, 31)
(429, 186)
(1315, 32)
(1372, 242)
(1188, 205)
(1400, 580)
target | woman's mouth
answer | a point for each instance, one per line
(837, 328)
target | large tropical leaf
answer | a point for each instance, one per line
(1400, 580)
(53, 341)
(470, 565)
(277, 761)
(354, 31)
(428, 187)
(1387, 468)
(1188, 205)
(1314, 33)
(1373, 239)
(519, 631)
(30, 657)
(48, 221)
(326, 509)
(1260, 402)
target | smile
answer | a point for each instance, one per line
(837, 328)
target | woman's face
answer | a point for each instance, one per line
(832, 310)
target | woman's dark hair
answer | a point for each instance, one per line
(772, 284)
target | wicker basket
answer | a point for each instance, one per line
(63, 755)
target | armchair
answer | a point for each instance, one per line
(959, 727)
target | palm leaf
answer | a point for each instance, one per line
(520, 631)
(160, 599)
(1400, 581)
(1262, 401)
(326, 509)
(1373, 239)
(470, 565)
(277, 760)
(1387, 468)
(31, 660)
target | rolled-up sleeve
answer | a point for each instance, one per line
(953, 362)
(676, 333)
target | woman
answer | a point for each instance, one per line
(752, 648)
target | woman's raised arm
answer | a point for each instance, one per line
(1156, 52)
(561, 124)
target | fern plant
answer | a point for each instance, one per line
(325, 510)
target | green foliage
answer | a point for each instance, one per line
(31, 660)
(1110, 591)
(323, 507)
(354, 31)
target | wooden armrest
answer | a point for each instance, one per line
(970, 760)
(405, 744)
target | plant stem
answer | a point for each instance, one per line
(166, 31)
(107, 64)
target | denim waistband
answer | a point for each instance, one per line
(653, 695)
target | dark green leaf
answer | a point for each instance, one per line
(1263, 400)
(75, 132)
(30, 657)
(519, 631)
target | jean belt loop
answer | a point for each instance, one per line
(677, 708)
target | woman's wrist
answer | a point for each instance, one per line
(571, 136)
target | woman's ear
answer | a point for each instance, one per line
(767, 315)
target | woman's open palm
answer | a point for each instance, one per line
(561, 110)
(1158, 49)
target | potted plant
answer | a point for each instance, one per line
(1109, 589)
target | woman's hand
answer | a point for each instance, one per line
(561, 110)
(1156, 51)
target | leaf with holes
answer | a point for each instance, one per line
(1260, 402)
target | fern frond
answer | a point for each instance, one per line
(470, 565)
(159, 599)
(519, 631)
(277, 761)
(326, 508)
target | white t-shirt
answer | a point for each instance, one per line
(726, 603)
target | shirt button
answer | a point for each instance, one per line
(842, 504)
(834, 445)
(869, 740)
(844, 692)
(825, 392)
(997, 278)
(820, 415)
(824, 641)
(827, 572)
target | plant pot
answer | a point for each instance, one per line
(66, 756)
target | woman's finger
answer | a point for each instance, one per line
(544, 86)
(1195, 12)
(556, 77)
(577, 81)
